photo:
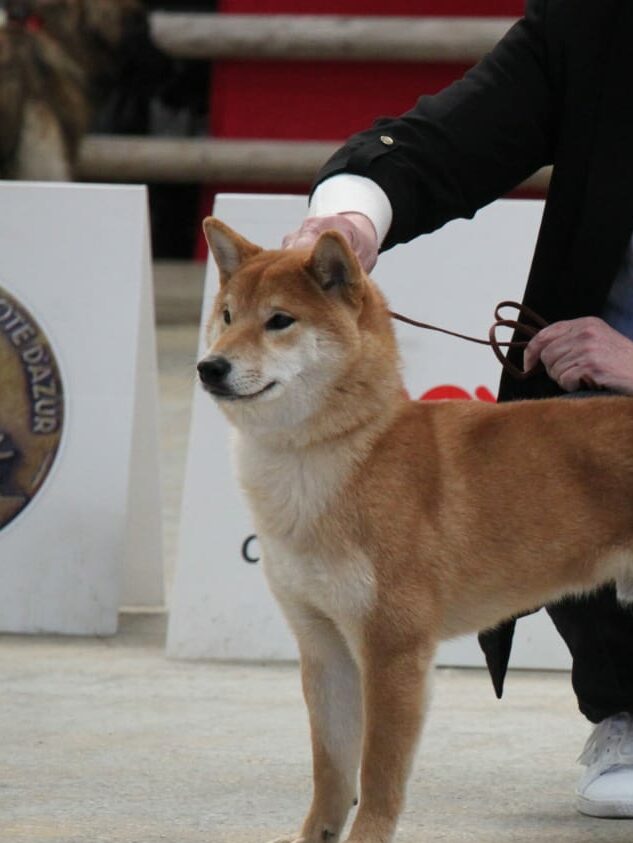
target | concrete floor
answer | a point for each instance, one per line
(106, 741)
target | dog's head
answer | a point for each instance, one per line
(295, 334)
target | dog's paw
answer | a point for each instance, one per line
(294, 838)
(327, 836)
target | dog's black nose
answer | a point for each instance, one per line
(213, 370)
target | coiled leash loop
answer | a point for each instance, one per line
(527, 328)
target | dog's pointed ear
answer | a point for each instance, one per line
(334, 265)
(229, 248)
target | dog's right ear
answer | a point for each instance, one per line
(229, 248)
(335, 266)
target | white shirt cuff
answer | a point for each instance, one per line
(349, 193)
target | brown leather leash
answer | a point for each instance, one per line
(528, 329)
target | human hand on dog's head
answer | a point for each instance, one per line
(357, 229)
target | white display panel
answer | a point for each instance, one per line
(221, 606)
(76, 260)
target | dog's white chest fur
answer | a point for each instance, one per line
(340, 588)
(289, 493)
(289, 490)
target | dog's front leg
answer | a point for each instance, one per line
(331, 687)
(394, 692)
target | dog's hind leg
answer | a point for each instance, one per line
(395, 689)
(331, 687)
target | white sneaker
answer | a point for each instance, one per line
(606, 788)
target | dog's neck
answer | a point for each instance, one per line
(292, 480)
(293, 476)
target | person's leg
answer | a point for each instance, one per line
(599, 634)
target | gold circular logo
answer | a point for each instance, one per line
(31, 408)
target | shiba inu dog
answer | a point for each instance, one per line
(387, 525)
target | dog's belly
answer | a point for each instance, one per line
(466, 620)
(484, 608)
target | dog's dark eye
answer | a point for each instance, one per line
(279, 321)
(227, 317)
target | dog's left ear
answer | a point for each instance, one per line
(334, 264)
(229, 248)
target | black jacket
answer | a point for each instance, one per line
(557, 89)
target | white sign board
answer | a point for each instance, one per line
(221, 606)
(80, 529)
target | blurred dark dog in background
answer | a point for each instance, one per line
(60, 60)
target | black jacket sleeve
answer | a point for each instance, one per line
(460, 149)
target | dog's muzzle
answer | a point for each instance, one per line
(213, 372)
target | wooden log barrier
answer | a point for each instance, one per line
(202, 161)
(326, 37)
(198, 160)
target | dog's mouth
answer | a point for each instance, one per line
(226, 394)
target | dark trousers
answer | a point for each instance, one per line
(599, 634)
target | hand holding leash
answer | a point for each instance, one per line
(584, 352)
